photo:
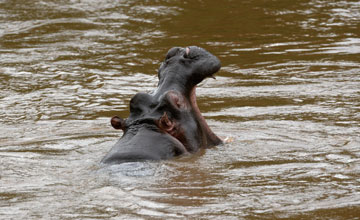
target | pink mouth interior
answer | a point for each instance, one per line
(209, 133)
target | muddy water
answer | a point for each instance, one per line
(288, 95)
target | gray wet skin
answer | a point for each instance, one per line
(167, 122)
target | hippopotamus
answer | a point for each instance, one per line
(167, 122)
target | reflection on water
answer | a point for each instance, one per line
(288, 94)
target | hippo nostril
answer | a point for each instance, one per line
(172, 52)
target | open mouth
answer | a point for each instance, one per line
(168, 121)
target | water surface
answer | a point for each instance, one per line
(288, 95)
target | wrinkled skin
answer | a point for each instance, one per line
(167, 122)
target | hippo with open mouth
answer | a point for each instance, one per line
(167, 122)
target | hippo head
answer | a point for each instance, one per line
(167, 122)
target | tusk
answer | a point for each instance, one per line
(187, 50)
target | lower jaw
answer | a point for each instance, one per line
(210, 136)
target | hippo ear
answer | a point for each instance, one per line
(118, 123)
(177, 100)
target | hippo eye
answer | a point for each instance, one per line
(140, 103)
(172, 52)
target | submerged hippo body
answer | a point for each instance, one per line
(167, 122)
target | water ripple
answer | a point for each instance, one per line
(286, 98)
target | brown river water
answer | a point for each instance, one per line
(288, 96)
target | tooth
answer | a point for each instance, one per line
(187, 51)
